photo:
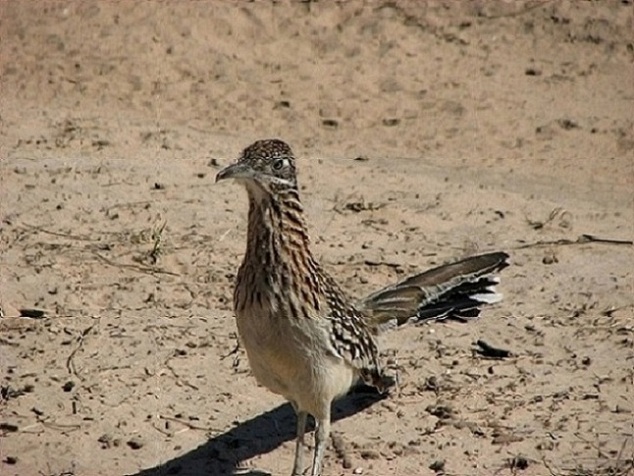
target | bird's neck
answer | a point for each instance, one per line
(278, 262)
(277, 228)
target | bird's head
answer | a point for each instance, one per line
(266, 166)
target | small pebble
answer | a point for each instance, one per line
(135, 443)
(519, 462)
(32, 313)
(105, 440)
(370, 454)
(550, 259)
(437, 466)
(9, 427)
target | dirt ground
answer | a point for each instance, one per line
(481, 125)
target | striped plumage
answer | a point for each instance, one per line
(305, 339)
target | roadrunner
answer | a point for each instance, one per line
(304, 337)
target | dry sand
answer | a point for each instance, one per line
(483, 125)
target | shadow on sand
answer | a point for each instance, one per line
(222, 454)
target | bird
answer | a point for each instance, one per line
(305, 338)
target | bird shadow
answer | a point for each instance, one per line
(224, 453)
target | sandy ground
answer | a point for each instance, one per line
(482, 125)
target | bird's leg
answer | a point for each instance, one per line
(298, 466)
(321, 439)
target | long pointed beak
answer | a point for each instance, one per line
(234, 171)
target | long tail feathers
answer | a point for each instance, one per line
(452, 291)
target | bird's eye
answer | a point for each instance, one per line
(278, 164)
